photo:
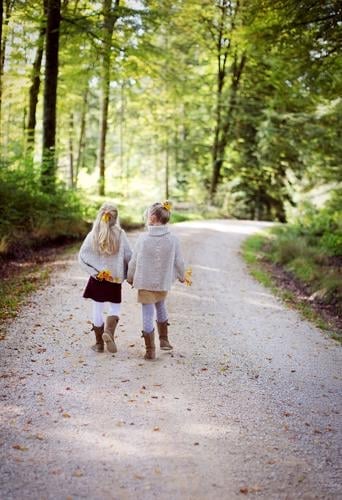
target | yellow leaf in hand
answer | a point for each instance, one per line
(105, 275)
(188, 277)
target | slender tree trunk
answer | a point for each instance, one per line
(223, 132)
(122, 119)
(81, 140)
(225, 28)
(110, 17)
(35, 85)
(216, 153)
(50, 95)
(167, 169)
(5, 15)
(1, 56)
(71, 149)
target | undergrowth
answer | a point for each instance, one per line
(15, 289)
(309, 250)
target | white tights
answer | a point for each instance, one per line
(114, 310)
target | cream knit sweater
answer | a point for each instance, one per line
(90, 260)
(156, 261)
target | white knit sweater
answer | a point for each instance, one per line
(92, 261)
(156, 261)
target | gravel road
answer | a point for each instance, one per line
(248, 404)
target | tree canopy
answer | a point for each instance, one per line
(230, 102)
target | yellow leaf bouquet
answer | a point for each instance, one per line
(188, 277)
(105, 275)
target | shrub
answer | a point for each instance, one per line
(30, 216)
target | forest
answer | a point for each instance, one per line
(226, 107)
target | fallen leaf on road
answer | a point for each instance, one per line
(78, 473)
(255, 489)
(66, 415)
(20, 447)
(56, 472)
(40, 437)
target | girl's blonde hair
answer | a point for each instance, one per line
(106, 230)
(160, 211)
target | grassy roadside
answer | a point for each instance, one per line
(305, 281)
(20, 278)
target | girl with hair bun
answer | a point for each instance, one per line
(156, 262)
(104, 255)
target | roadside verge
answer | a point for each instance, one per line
(312, 301)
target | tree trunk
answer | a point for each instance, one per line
(110, 17)
(167, 168)
(223, 127)
(122, 120)
(50, 95)
(1, 56)
(224, 29)
(35, 85)
(5, 15)
(71, 150)
(81, 141)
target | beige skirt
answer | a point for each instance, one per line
(150, 297)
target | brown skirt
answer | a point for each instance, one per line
(150, 297)
(102, 291)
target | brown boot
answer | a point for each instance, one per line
(150, 345)
(164, 341)
(98, 346)
(108, 334)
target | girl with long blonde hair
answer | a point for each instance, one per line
(104, 255)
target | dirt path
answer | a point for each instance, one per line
(248, 404)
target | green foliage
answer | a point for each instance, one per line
(30, 216)
(185, 216)
(310, 249)
(322, 228)
(252, 248)
(283, 121)
(323, 280)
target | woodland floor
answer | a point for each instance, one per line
(247, 404)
